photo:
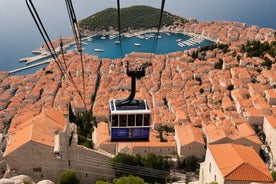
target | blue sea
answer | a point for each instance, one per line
(166, 43)
(19, 35)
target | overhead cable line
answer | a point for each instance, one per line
(49, 44)
(119, 26)
(158, 29)
(44, 34)
(123, 168)
(76, 32)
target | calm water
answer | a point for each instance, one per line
(19, 35)
(167, 42)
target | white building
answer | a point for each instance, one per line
(269, 129)
(233, 163)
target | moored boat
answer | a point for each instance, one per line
(98, 50)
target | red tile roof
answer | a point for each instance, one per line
(40, 129)
(240, 163)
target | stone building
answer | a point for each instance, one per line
(44, 146)
(189, 141)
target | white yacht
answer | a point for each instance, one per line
(137, 44)
(98, 50)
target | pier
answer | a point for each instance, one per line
(29, 66)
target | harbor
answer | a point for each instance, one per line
(108, 46)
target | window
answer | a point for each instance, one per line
(215, 178)
(146, 120)
(123, 120)
(131, 120)
(209, 167)
(139, 119)
(114, 120)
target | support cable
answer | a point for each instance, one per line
(158, 30)
(44, 34)
(49, 44)
(119, 26)
(76, 32)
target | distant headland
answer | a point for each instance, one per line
(132, 18)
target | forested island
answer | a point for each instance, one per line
(134, 17)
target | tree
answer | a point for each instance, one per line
(273, 174)
(219, 64)
(122, 162)
(129, 180)
(103, 182)
(68, 177)
(156, 162)
(190, 164)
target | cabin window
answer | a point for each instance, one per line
(139, 119)
(114, 120)
(131, 120)
(146, 119)
(123, 120)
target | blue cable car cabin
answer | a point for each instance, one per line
(129, 118)
(129, 122)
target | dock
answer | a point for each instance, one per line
(29, 66)
(35, 58)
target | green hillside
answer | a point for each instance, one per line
(134, 17)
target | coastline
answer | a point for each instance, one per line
(42, 53)
(211, 31)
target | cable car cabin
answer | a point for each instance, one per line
(129, 122)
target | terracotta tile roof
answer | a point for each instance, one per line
(245, 129)
(188, 134)
(40, 129)
(242, 163)
(214, 133)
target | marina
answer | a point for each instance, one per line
(105, 46)
(190, 42)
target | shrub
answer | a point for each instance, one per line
(68, 177)
(273, 174)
